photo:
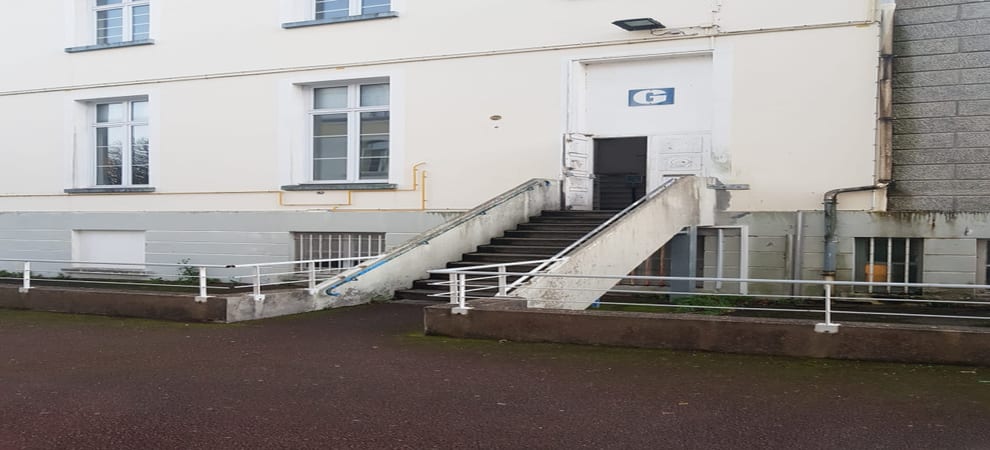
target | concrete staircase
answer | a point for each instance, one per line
(540, 238)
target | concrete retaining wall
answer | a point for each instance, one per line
(877, 342)
(150, 305)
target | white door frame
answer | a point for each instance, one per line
(574, 115)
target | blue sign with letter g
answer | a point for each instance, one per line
(651, 97)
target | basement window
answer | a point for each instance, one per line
(327, 247)
(888, 260)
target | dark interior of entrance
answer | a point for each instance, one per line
(620, 171)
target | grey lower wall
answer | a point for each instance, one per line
(878, 342)
(200, 237)
(954, 249)
(942, 106)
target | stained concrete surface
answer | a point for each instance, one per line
(365, 377)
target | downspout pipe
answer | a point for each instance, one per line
(831, 201)
(885, 93)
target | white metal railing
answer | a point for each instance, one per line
(463, 282)
(255, 276)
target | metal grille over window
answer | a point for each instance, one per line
(337, 250)
(889, 260)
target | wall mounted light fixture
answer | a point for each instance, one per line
(644, 23)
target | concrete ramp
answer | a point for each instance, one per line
(622, 245)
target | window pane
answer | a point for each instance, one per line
(330, 169)
(107, 2)
(326, 125)
(376, 146)
(108, 175)
(375, 6)
(330, 147)
(139, 154)
(109, 158)
(110, 112)
(374, 95)
(139, 111)
(140, 20)
(374, 168)
(110, 137)
(109, 26)
(330, 98)
(374, 123)
(329, 9)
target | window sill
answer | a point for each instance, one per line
(109, 190)
(89, 48)
(339, 187)
(359, 18)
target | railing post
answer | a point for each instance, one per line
(202, 284)
(462, 289)
(257, 284)
(27, 279)
(453, 288)
(501, 280)
(312, 278)
(828, 326)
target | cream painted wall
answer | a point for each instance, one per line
(798, 105)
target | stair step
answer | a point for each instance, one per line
(462, 264)
(420, 294)
(557, 226)
(536, 241)
(427, 285)
(543, 234)
(494, 258)
(521, 249)
(574, 213)
(568, 219)
(435, 277)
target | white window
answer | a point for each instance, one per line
(121, 143)
(122, 21)
(335, 9)
(350, 132)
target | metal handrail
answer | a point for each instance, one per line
(561, 254)
(459, 290)
(201, 273)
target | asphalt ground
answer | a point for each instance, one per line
(366, 377)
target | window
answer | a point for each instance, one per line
(310, 246)
(350, 133)
(888, 260)
(120, 21)
(336, 9)
(121, 143)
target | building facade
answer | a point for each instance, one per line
(223, 132)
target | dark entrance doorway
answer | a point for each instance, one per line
(620, 171)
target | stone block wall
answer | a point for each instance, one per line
(941, 106)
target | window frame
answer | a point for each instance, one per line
(355, 8)
(128, 124)
(353, 110)
(127, 21)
